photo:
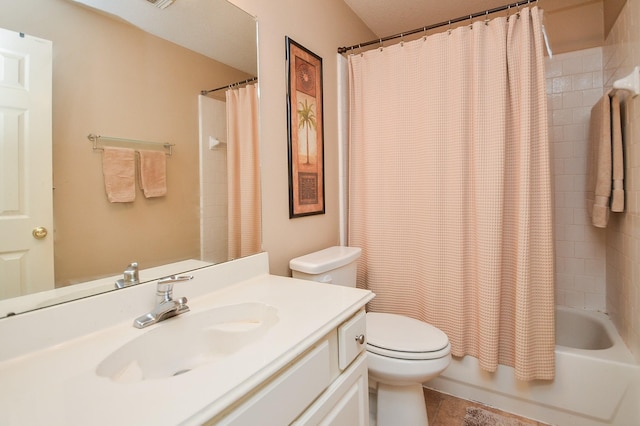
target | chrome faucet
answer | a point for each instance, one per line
(166, 307)
(131, 276)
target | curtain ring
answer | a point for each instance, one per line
(401, 39)
(486, 17)
(471, 22)
(381, 45)
(449, 30)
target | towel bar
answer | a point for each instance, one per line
(95, 138)
(630, 82)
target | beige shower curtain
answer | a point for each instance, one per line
(450, 193)
(243, 167)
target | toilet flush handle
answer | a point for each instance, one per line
(327, 279)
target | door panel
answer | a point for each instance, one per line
(26, 257)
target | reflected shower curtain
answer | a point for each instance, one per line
(450, 192)
(243, 166)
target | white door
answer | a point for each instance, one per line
(26, 208)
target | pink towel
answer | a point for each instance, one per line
(153, 173)
(599, 162)
(118, 167)
(617, 195)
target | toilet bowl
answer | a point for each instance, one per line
(402, 352)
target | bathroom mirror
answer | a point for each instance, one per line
(133, 70)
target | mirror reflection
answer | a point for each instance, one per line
(111, 77)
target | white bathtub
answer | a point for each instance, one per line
(597, 380)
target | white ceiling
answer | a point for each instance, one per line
(390, 17)
(234, 31)
(216, 28)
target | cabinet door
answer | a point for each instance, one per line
(345, 402)
(351, 340)
(279, 402)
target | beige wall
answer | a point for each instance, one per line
(612, 9)
(579, 24)
(621, 54)
(114, 80)
(320, 26)
(574, 25)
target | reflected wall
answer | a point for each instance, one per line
(112, 79)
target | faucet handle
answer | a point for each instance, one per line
(164, 290)
(131, 276)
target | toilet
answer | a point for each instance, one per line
(402, 352)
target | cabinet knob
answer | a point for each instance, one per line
(360, 338)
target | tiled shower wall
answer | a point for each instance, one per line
(574, 84)
(621, 53)
(596, 268)
(213, 182)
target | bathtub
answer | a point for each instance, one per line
(597, 380)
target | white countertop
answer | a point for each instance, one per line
(57, 384)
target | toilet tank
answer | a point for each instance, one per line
(333, 265)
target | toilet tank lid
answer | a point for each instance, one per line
(325, 260)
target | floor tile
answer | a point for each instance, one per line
(447, 410)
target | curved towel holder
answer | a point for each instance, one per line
(630, 82)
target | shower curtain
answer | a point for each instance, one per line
(243, 167)
(450, 191)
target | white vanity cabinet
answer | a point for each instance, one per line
(326, 385)
(345, 402)
(307, 367)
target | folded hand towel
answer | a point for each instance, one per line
(617, 197)
(118, 167)
(599, 162)
(153, 173)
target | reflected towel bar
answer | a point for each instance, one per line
(95, 138)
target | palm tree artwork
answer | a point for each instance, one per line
(307, 121)
(305, 126)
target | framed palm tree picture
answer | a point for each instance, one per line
(306, 135)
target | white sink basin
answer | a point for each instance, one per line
(183, 343)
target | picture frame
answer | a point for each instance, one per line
(305, 123)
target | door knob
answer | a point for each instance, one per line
(39, 233)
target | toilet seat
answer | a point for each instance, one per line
(400, 337)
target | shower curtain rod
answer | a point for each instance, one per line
(517, 5)
(229, 86)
